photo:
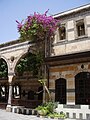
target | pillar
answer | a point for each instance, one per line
(8, 108)
(71, 91)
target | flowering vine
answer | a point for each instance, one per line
(36, 26)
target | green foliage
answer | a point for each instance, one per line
(30, 63)
(51, 106)
(48, 108)
(42, 81)
(42, 110)
(3, 69)
(57, 115)
(36, 26)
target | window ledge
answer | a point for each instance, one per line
(60, 41)
(83, 36)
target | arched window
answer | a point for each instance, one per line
(62, 32)
(3, 93)
(82, 88)
(80, 28)
(16, 91)
(3, 69)
(60, 90)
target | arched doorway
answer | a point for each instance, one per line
(60, 90)
(82, 88)
(3, 83)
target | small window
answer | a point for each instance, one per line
(80, 28)
(62, 32)
(16, 91)
(3, 93)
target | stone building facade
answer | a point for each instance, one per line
(68, 65)
(70, 51)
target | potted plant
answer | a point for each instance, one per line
(48, 110)
(42, 110)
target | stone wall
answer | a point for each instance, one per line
(67, 72)
(72, 43)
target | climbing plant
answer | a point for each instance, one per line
(30, 63)
(36, 26)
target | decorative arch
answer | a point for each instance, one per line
(22, 55)
(82, 88)
(18, 59)
(60, 90)
(3, 80)
(5, 59)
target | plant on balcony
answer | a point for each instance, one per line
(36, 26)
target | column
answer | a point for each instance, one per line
(71, 91)
(10, 77)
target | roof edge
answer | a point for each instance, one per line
(72, 10)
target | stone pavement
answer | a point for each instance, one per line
(14, 116)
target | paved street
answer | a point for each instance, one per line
(14, 116)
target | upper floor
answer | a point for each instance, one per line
(73, 35)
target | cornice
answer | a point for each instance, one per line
(73, 11)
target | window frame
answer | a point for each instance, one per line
(62, 30)
(3, 93)
(15, 95)
(79, 21)
(60, 90)
(82, 88)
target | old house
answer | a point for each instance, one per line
(69, 61)
(68, 67)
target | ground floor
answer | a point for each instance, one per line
(69, 78)
(23, 91)
(69, 83)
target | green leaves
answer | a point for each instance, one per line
(48, 108)
(30, 63)
(3, 69)
(37, 25)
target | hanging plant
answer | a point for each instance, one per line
(36, 26)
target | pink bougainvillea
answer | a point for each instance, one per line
(36, 26)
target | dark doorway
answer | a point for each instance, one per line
(40, 95)
(60, 90)
(82, 88)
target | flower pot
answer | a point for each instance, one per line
(42, 112)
